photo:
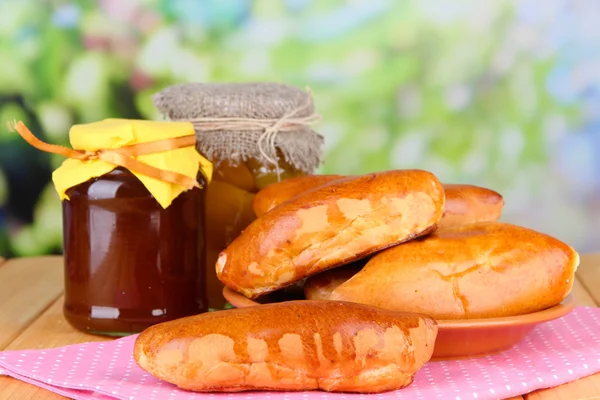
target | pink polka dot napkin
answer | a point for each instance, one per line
(554, 353)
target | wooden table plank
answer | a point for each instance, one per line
(28, 286)
(585, 294)
(581, 295)
(52, 320)
(589, 275)
(584, 388)
(36, 337)
(19, 390)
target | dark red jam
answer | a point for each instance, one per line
(129, 263)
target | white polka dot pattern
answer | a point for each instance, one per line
(554, 353)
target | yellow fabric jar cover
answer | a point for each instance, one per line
(118, 133)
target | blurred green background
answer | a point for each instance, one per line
(504, 93)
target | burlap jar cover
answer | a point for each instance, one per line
(243, 120)
(268, 123)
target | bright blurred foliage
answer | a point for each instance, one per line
(504, 94)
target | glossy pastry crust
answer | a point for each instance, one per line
(465, 204)
(482, 270)
(280, 192)
(297, 345)
(331, 225)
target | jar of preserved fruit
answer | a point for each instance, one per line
(254, 134)
(133, 224)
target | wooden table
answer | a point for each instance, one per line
(31, 291)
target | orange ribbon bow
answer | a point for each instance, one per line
(122, 157)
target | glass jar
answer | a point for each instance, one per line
(229, 209)
(241, 128)
(129, 263)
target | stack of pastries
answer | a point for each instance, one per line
(399, 240)
(379, 258)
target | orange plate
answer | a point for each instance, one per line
(468, 337)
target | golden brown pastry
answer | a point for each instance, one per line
(465, 204)
(280, 192)
(320, 286)
(332, 225)
(483, 270)
(296, 345)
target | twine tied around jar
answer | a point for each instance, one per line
(270, 127)
(258, 105)
(122, 157)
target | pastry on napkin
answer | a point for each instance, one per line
(553, 354)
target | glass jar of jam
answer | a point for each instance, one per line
(229, 209)
(129, 263)
(254, 133)
(133, 196)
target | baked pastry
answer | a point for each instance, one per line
(280, 192)
(320, 286)
(296, 345)
(465, 204)
(332, 225)
(468, 204)
(483, 270)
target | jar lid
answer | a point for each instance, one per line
(160, 154)
(247, 120)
